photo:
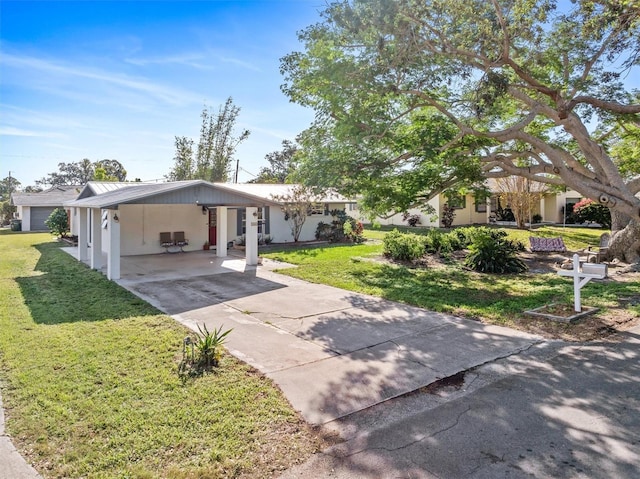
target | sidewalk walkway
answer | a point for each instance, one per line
(12, 464)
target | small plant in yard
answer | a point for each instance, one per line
(448, 215)
(489, 254)
(202, 353)
(412, 220)
(58, 222)
(403, 246)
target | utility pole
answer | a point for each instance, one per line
(237, 168)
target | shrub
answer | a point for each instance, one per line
(342, 228)
(537, 218)
(490, 254)
(412, 220)
(439, 242)
(353, 230)
(589, 210)
(58, 222)
(448, 214)
(403, 246)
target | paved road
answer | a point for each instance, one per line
(555, 411)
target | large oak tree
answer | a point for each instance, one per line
(416, 96)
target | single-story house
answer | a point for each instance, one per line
(125, 219)
(33, 209)
(469, 210)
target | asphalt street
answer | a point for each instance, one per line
(557, 410)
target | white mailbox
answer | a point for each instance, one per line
(581, 276)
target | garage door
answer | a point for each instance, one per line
(39, 215)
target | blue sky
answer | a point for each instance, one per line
(119, 80)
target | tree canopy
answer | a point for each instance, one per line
(80, 172)
(215, 150)
(282, 165)
(413, 97)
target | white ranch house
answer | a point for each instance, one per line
(470, 211)
(115, 220)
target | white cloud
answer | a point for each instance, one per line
(13, 131)
(74, 73)
(193, 60)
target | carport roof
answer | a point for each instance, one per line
(177, 192)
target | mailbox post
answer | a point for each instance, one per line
(581, 276)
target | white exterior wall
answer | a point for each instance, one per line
(426, 219)
(24, 214)
(141, 225)
(280, 230)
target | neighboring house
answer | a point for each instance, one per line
(469, 210)
(33, 209)
(123, 219)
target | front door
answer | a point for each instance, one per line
(213, 223)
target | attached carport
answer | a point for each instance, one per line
(128, 220)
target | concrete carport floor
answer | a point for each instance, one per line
(332, 352)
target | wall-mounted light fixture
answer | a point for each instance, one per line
(115, 218)
(255, 214)
(204, 210)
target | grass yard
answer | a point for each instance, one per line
(498, 299)
(90, 385)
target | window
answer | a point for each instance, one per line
(481, 205)
(262, 222)
(458, 201)
(318, 209)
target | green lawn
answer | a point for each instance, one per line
(90, 384)
(451, 288)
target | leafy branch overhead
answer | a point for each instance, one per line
(416, 97)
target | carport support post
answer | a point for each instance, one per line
(113, 256)
(83, 240)
(251, 248)
(221, 232)
(96, 238)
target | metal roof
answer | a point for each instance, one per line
(181, 192)
(55, 196)
(110, 195)
(268, 190)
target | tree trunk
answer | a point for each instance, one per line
(625, 243)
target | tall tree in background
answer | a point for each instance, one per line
(283, 165)
(183, 167)
(7, 186)
(80, 172)
(216, 147)
(522, 84)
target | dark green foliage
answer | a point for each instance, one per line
(412, 220)
(442, 243)
(58, 222)
(589, 210)
(491, 253)
(342, 228)
(403, 246)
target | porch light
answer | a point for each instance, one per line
(204, 210)
(115, 218)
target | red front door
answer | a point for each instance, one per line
(213, 223)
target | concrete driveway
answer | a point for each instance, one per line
(332, 352)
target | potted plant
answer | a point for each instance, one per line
(206, 245)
